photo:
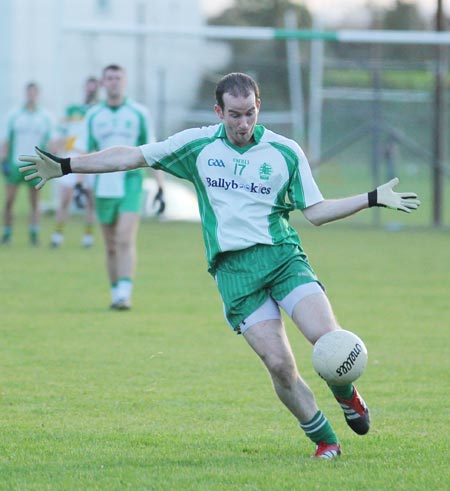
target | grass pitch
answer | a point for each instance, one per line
(166, 397)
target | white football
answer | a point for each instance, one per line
(339, 357)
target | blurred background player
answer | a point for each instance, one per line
(75, 186)
(118, 195)
(27, 126)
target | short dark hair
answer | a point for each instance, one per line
(236, 84)
(114, 67)
(32, 85)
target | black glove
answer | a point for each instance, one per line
(80, 195)
(159, 201)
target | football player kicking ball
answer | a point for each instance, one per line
(247, 180)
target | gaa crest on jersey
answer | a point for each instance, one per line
(216, 163)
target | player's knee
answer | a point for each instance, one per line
(124, 243)
(111, 249)
(324, 328)
(282, 371)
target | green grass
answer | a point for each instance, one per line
(390, 78)
(166, 397)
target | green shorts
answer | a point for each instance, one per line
(247, 278)
(14, 177)
(108, 209)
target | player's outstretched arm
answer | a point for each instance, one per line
(330, 210)
(47, 166)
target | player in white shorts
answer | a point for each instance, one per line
(248, 179)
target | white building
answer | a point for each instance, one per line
(58, 43)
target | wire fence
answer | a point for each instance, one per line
(366, 118)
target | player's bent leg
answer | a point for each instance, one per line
(269, 340)
(313, 315)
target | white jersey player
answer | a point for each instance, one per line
(248, 179)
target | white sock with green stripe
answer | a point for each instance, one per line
(124, 288)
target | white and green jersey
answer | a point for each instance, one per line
(25, 130)
(107, 126)
(244, 194)
(72, 128)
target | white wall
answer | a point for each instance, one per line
(163, 73)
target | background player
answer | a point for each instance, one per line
(118, 196)
(27, 126)
(69, 144)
